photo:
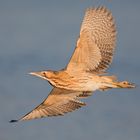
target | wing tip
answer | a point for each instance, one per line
(13, 121)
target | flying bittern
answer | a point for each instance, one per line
(85, 72)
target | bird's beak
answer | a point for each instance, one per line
(38, 74)
(35, 73)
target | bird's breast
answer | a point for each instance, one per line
(76, 82)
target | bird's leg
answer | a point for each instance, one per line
(105, 88)
(85, 94)
(111, 82)
(124, 84)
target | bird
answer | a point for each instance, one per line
(86, 70)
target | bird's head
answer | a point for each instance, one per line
(43, 74)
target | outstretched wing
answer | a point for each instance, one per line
(58, 102)
(96, 44)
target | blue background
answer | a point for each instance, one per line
(41, 34)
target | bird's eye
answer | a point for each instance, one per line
(43, 73)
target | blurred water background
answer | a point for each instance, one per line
(41, 34)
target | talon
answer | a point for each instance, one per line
(125, 82)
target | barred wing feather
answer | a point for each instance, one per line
(58, 102)
(96, 44)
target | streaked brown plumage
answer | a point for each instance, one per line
(85, 71)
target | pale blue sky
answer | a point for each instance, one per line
(41, 34)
